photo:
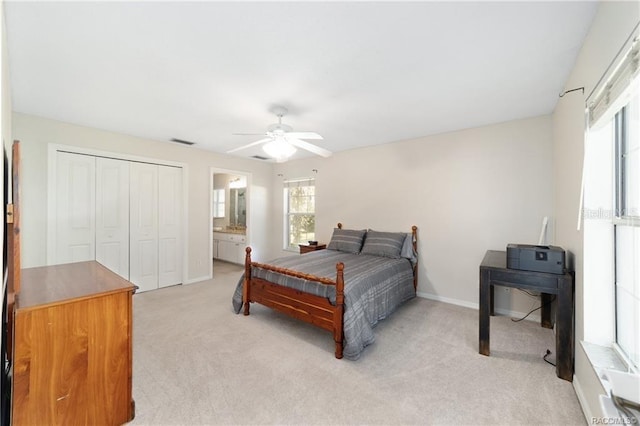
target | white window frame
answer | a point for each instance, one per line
(292, 183)
(628, 219)
(617, 87)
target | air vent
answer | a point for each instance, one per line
(259, 157)
(182, 141)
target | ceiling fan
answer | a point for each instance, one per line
(281, 141)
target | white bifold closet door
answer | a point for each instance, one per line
(75, 208)
(127, 215)
(156, 223)
(169, 225)
(112, 214)
(144, 225)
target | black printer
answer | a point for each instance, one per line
(526, 257)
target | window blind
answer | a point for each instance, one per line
(617, 84)
(295, 183)
(611, 93)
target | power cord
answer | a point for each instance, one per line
(533, 310)
(548, 352)
(534, 295)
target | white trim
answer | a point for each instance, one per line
(286, 185)
(51, 205)
(185, 222)
(457, 302)
(582, 399)
(53, 148)
(476, 306)
(111, 154)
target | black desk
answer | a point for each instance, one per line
(494, 271)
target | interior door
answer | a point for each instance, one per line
(143, 191)
(112, 215)
(75, 208)
(169, 225)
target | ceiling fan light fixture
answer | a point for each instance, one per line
(281, 141)
(279, 149)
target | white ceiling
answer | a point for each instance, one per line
(358, 73)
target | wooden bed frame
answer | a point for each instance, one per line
(307, 307)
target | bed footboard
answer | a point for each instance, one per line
(298, 304)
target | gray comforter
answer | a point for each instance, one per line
(374, 288)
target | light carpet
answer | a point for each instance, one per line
(198, 363)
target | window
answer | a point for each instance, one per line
(218, 203)
(627, 230)
(299, 207)
(611, 208)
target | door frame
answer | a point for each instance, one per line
(249, 176)
(53, 148)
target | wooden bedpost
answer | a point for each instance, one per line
(338, 323)
(247, 279)
(414, 239)
(339, 225)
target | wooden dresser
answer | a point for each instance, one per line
(72, 352)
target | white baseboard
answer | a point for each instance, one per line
(586, 409)
(473, 305)
(457, 302)
(197, 280)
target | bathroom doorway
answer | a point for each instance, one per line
(229, 218)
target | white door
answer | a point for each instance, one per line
(143, 191)
(170, 225)
(112, 215)
(75, 208)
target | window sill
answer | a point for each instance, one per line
(603, 358)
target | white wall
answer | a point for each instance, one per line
(36, 133)
(6, 86)
(467, 191)
(612, 24)
(5, 123)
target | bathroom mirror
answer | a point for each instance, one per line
(238, 206)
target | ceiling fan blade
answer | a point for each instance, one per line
(304, 135)
(249, 145)
(309, 147)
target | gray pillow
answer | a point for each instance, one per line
(387, 244)
(407, 249)
(347, 240)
